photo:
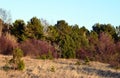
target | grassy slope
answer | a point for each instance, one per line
(59, 68)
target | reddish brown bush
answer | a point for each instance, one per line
(84, 53)
(35, 47)
(7, 44)
(103, 51)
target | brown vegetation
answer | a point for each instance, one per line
(59, 68)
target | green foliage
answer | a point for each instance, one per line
(19, 30)
(64, 40)
(21, 65)
(49, 56)
(87, 60)
(78, 63)
(107, 28)
(52, 69)
(63, 28)
(42, 57)
(93, 38)
(46, 56)
(52, 34)
(16, 61)
(34, 28)
(67, 47)
(83, 31)
(17, 54)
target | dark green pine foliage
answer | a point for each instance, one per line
(107, 28)
(67, 47)
(35, 28)
(65, 41)
(18, 30)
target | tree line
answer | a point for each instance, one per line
(37, 38)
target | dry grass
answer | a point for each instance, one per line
(59, 68)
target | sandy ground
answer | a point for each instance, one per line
(58, 68)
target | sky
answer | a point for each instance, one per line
(81, 12)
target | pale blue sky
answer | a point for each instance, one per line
(82, 12)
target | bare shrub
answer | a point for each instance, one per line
(106, 50)
(35, 47)
(7, 44)
(116, 61)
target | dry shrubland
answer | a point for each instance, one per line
(59, 68)
(62, 41)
